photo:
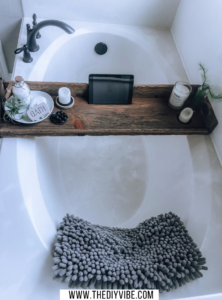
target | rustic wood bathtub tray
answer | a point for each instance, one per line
(148, 114)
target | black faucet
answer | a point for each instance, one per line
(33, 33)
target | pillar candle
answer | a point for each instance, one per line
(64, 95)
(186, 115)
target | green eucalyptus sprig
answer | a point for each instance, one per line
(14, 108)
(205, 89)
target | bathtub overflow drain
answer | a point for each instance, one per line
(101, 48)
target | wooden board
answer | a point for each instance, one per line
(82, 89)
(149, 114)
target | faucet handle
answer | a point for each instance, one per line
(34, 17)
(34, 22)
(28, 27)
(26, 55)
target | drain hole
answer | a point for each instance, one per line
(101, 48)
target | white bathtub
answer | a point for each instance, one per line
(114, 181)
(149, 54)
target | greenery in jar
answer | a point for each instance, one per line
(205, 89)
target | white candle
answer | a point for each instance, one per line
(64, 95)
(179, 95)
(186, 115)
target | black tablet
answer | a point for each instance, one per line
(110, 89)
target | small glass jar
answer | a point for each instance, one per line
(179, 95)
(21, 91)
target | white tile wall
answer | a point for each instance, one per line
(158, 13)
(197, 31)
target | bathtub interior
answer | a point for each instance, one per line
(72, 59)
(106, 180)
(113, 181)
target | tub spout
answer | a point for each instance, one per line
(31, 33)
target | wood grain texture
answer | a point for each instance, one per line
(77, 89)
(82, 89)
(157, 91)
(77, 124)
(146, 115)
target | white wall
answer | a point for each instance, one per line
(10, 21)
(158, 13)
(3, 67)
(197, 31)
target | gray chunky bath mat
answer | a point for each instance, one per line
(157, 254)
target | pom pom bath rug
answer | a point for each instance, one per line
(157, 254)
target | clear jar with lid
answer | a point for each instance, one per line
(21, 90)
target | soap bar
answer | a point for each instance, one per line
(38, 112)
(38, 100)
(36, 103)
